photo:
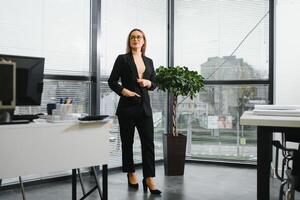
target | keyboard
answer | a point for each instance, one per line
(29, 117)
(93, 117)
(15, 122)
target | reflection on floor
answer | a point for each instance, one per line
(200, 182)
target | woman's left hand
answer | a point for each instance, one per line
(144, 82)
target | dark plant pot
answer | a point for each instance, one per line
(174, 154)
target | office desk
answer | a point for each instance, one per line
(48, 147)
(266, 125)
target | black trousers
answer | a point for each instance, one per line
(135, 117)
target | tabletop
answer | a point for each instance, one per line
(248, 118)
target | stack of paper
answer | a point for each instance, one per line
(279, 110)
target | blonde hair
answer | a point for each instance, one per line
(128, 48)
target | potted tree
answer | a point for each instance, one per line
(178, 81)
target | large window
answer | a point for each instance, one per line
(78, 91)
(45, 29)
(227, 42)
(212, 34)
(119, 17)
(224, 40)
(211, 122)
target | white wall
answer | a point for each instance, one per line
(287, 52)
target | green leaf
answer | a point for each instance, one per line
(179, 81)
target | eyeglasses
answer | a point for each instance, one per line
(138, 37)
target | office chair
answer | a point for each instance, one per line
(289, 181)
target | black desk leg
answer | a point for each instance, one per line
(97, 182)
(81, 181)
(104, 181)
(264, 158)
(74, 181)
(22, 188)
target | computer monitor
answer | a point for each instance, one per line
(7, 89)
(29, 79)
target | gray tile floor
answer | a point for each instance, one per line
(201, 181)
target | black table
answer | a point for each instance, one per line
(266, 126)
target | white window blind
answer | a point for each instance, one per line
(55, 29)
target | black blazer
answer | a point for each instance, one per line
(126, 70)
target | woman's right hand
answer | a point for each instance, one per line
(128, 93)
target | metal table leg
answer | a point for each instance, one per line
(102, 193)
(74, 181)
(264, 158)
(81, 182)
(104, 181)
(97, 182)
(22, 188)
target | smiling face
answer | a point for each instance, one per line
(136, 40)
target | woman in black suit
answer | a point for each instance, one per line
(137, 76)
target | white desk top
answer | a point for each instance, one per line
(51, 124)
(38, 148)
(248, 118)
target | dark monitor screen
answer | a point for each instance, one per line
(7, 85)
(29, 79)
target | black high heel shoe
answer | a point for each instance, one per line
(145, 186)
(132, 185)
